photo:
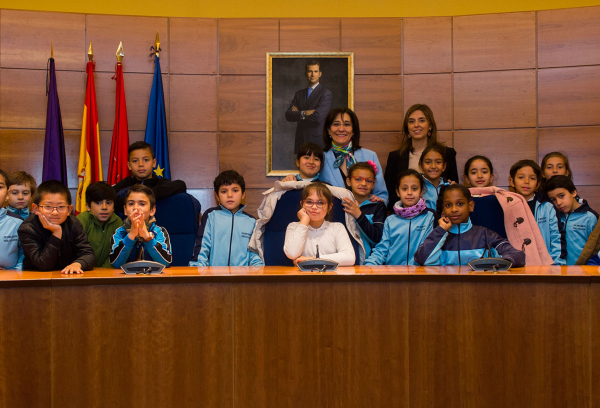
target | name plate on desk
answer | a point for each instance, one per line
(143, 268)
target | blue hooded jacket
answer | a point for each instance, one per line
(575, 229)
(370, 223)
(124, 249)
(11, 252)
(463, 244)
(432, 192)
(547, 219)
(223, 238)
(401, 238)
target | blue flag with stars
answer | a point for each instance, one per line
(156, 124)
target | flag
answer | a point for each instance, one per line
(55, 163)
(156, 124)
(90, 162)
(117, 168)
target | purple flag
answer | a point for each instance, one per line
(55, 163)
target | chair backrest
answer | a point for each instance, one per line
(180, 216)
(285, 213)
(489, 213)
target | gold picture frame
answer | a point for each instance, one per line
(284, 76)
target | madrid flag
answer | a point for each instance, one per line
(117, 168)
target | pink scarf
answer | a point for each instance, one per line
(410, 212)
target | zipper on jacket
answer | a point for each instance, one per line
(408, 250)
(231, 238)
(459, 245)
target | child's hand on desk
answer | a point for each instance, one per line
(302, 259)
(303, 217)
(445, 223)
(74, 268)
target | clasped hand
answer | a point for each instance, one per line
(138, 226)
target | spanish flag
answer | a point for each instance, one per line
(90, 163)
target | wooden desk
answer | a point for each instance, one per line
(275, 337)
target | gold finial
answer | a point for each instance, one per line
(157, 44)
(90, 52)
(51, 50)
(120, 54)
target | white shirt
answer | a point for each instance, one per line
(332, 239)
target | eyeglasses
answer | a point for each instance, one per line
(59, 208)
(366, 180)
(310, 203)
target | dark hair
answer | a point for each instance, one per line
(3, 174)
(140, 188)
(308, 149)
(322, 191)
(564, 158)
(139, 146)
(329, 120)
(406, 139)
(414, 173)
(526, 163)
(361, 166)
(434, 147)
(51, 187)
(560, 182)
(99, 191)
(439, 206)
(20, 178)
(312, 62)
(473, 159)
(227, 178)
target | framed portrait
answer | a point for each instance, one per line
(302, 87)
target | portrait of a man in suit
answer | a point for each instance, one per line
(309, 107)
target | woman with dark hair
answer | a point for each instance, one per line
(341, 140)
(418, 132)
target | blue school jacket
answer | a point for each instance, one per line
(463, 244)
(124, 249)
(432, 192)
(401, 239)
(575, 229)
(223, 239)
(546, 217)
(370, 223)
(11, 252)
(22, 213)
(332, 176)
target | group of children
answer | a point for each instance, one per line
(430, 224)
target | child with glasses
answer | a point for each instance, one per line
(369, 215)
(302, 238)
(52, 238)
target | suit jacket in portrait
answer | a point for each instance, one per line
(309, 129)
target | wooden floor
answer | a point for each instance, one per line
(275, 337)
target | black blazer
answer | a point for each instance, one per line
(309, 129)
(396, 164)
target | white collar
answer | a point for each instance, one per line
(323, 226)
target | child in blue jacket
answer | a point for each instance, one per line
(369, 215)
(225, 231)
(11, 252)
(433, 165)
(139, 238)
(577, 219)
(525, 178)
(404, 231)
(455, 241)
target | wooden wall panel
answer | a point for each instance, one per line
(190, 325)
(378, 102)
(246, 154)
(494, 42)
(591, 194)
(194, 158)
(427, 45)
(309, 34)
(193, 45)
(137, 97)
(243, 44)
(23, 100)
(194, 103)
(138, 35)
(483, 366)
(242, 103)
(569, 37)
(381, 143)
(376, 43)
(205, 196)
(595, 340)
(26, 38)
(25, 336)
(569, 96)
(434, 91)
(254, 197)
(580, 144)
(502, 99)
(490, 143)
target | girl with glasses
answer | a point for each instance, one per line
(313, 229)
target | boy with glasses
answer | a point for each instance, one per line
(51, 237)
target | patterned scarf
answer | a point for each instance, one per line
(341, 153)
(410, 212)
